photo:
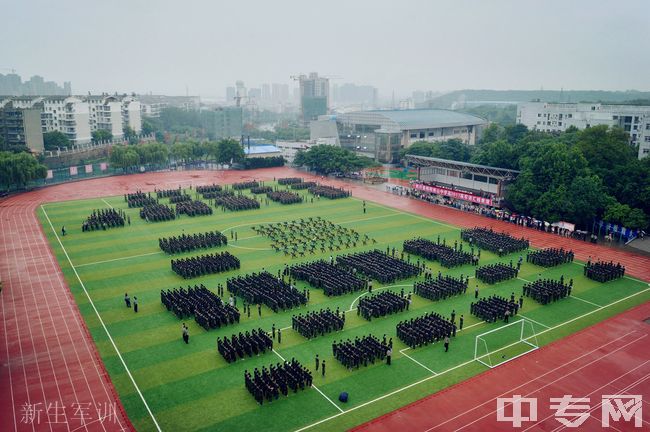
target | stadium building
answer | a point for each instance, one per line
(381, 134)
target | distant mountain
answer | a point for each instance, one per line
(459, 97)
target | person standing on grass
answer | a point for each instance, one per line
(476, 292)
(273, 330)
(323, 368)
(461, 322)
(446, 343)
(389, 353)
(317, 362)
(186, 334)
(259, 309)
(279, 336)
(135, 304)
(63, 230)
(127, 300)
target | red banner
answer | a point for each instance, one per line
(466, 196)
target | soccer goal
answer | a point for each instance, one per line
(505, 343)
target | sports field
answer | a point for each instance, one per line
(190, 387)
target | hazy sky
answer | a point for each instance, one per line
(163, 46)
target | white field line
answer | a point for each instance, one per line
(414, 360)
(313, 386)
(117, 259)
(533, 321)
(586, 301)
(102, 323)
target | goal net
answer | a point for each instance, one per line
(505, 343)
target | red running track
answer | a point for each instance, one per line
(609, 358)
(51, 376)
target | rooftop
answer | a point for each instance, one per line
(414, 118)
(260, 149)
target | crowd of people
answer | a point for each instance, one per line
(205, 264)
(264, 288)
(236, 202)
(103, 219)
(208, 309)
(190, 242)
(261, 190)
(446, 255)
(494, 273)
(603, 271)
(493, 308)
(245, 185)
(303, 185)
(217, 194)
(285, 181)
(378, 265)
(175, 199)
(423, 330)
(284, 197)
(309, 235)
(139, 199)
(441, 287)
(209, 188)
(193, 208)
(546, 291)
(333, 280)
(360, 351)
(499, 243)
(318, 323)
(157, 213)
(550, 257)
(169, 193)
(268, 384)
(249, 343)
(382, 304)
(329, 192)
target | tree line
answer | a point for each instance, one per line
(225, 151)
(18, 169)
(326, 159)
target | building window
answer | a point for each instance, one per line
(539, 114)
(559, 123)
(614, 117)
(430, 134)
(647, 138)
(570, 115)
(414, 135)
(647, 126)
(421, 134)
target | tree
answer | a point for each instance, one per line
(18, 169)
(55, 139)
(101, 135)
(626, 216)
(124, 157)
(453, 149)
(498, 153)
(328, 159)
(229, 151)
(607, 151)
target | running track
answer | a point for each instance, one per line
(51, 376)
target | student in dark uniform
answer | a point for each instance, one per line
(279, 336)
(446, 343)
(135, 304)
(461, 322)
(389, 354)
(317, 362)
(63, 230)
(127, 300)
(323, 368)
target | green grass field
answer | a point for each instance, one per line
(191, 387)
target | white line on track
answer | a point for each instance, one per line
(126, 368)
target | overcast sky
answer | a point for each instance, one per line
(163, 46)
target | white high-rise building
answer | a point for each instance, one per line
(557, 117)
(106, 114)
(131, 113)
